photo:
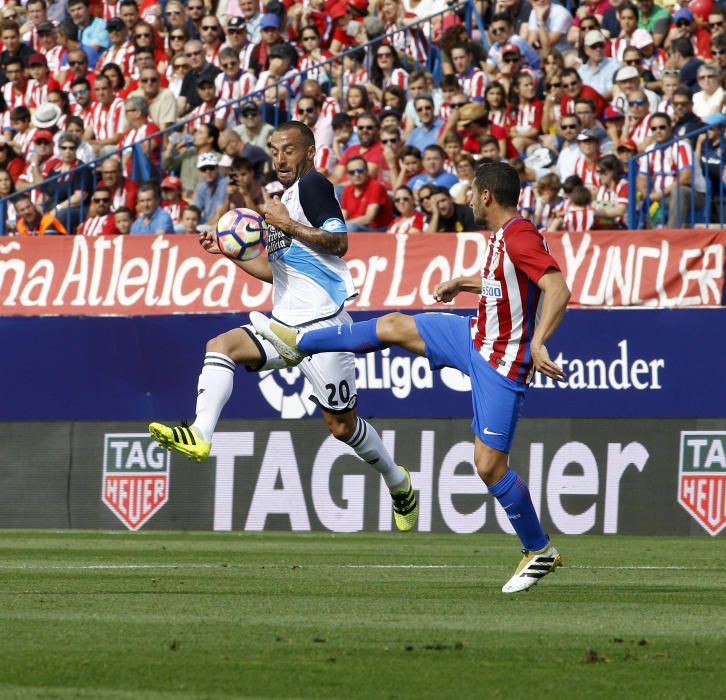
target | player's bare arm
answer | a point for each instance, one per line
(556, 296)
(258, 267)
(277, 215)
(446, 291)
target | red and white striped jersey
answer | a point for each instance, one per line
(639, 132)
(133, 136)
(291, 81)
(175, 210)
(222, 112)
(526, 204)
(121, 56)
(108, 120)
(324, 160)
(241, 86)
(515, 259)
(473, 84)
(527, 116)
(39, 91)
(579, 218)
(31, 38)
(213, 55)
(398, 78)
(663, 165)
(25, 140)
(54, 57)
(96, 226)
(546, 210)
(82, 112)
(330, 107)
(617, 48)
(617, 195)
(109, 9)
(587, 171)
(666, 105)
(403, 224)
(656, 64)
(312, 65)
(16, 98)
(499, 117)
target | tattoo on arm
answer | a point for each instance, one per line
(333, 243)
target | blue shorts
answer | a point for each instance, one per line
(497, 401)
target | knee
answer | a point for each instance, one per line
(341, 428)
(219, 344)
(491, 464)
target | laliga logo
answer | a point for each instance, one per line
(280, 389)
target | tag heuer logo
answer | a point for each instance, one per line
(702, 478)
(135, 477)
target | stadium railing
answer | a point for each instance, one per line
(640, 205)
(144, 170)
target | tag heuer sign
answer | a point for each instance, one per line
(135, 477)
(702, 478)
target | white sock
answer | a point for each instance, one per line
(368, 446)
(213, 392)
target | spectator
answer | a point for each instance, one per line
(212, 37)
(636, 126)
(30, 222)
(233, 83)
(495, 101)
(179, 69)
(15, 92)
(48, 46)
(526, 204)
(199, 69)
(140, 127)
(684, 27)
(473, 80)
(682, 59)
(120, 51)
(344, 135)
(502, 33)
(195, 12)
(211, 110)
(431, 125)
(13, 48)
(100, 220)
(548, 199)
(123, 191)
(447, 216)
(580, 216)
(466, 166)
(181, 154)
(409, 165)
(548, 26)
(77, 70)
(718, 48)
(599, 70)
(123, 219)
(669, 84)
(710, 99)
(422, 83)
(20, 131)
(409, 219)
(357, 102)
(41, 83)
(253, 129)
(611, 200)
(433, 170)
(41, 152)
(525, 117)
(365, 204)
(655, 19)
(152, 218)
(191, 218)
(386, 70)
(107, 121)
(91, 30)
(308, 112)
(625, 151)
(35, 14)
(684, 120)
(490, 148)
(574, 89)
(232, 144)
(627, 21)
(65, 196)
(161, 101)
(270, 36)
(627, 82)
(586, 164)
(244, 189)
(9, 159)
(171, 200)
(370, 146)
(669, 175)
(178, 34)
(211, 191)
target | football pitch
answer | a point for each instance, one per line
(285, 615)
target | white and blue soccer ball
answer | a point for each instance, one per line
(242, 234)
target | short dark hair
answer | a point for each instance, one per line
(150, 186)
(570, 183)
(581, 196)
(500, 17)
(124, 210)
(20, 113)
(341, 119)
(410, 151)
(240, 163)
(683, 46)
(193, 208)
(684, 91)
(79, 2)
(501, 179)
(306, 134)
(360, 158)
(435, 147)
(660, 115)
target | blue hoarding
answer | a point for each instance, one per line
(620, 363)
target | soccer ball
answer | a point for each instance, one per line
(241, 234)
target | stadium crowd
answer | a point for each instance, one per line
(567, 96)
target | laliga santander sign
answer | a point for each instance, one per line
(154, 275)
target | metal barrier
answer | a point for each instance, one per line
(640, 205)
(422, 28)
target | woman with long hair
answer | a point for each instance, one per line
(311, 54)
(525, 113)
(357, 102)
(386, 70)
(495, 100)
(175, 40)
(144, 35)
(409, 220)
(7, 187)
(115, 76)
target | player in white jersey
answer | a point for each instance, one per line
(311, 284)
(522, 298)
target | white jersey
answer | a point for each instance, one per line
(308, 285)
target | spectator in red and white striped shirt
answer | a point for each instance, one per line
(472, 80)
(580, 215)
(636, 126)
(671, 175)
(36, 14)
(524, 121)
(611, 200)
(48, 45)
(409, 219)
(21, 133)
(99, 221)
(40, 83)
(121, 50)
(386, 70)
(108, 120)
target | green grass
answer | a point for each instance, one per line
(280, 615)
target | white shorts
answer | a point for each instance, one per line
(331, 374)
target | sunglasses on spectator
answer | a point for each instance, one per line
(683, 23)
(102, 200)
(681, 103)
(231, 64)
(554, 85)
(189, 54)
(356, 171)
(181, 65)
(80, 62)
(636, 103)
(149, 80)
(143, 35)
(569, 126)
(209, 28)
(715, 25)
(385, 54)
(179, 37)
(599, 45)
(208, 168)
(498, 30)
(388, 141)
(402, 199)
(173, 12)
(67, 148)
(312, 37)
(43, 142)
(719, 52)
(457, 104)
(633, 62)
(512, 59)
(426, 108)
(659, 127)
(306, 110)
(366, 127)
(570, 85)
(78, 93)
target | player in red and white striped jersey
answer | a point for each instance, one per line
(522, 299)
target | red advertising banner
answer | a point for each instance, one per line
(147, 275)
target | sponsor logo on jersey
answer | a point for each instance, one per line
(135, 477)
(491, 288)
(702, 478)
(277, 241)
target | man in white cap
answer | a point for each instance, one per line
(627, 81)
(599, 70)
(212, 189)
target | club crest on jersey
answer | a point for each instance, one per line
(491, 288)
(702, 478)
(135, 477)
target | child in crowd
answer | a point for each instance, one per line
(123, 217)
(549, 199)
